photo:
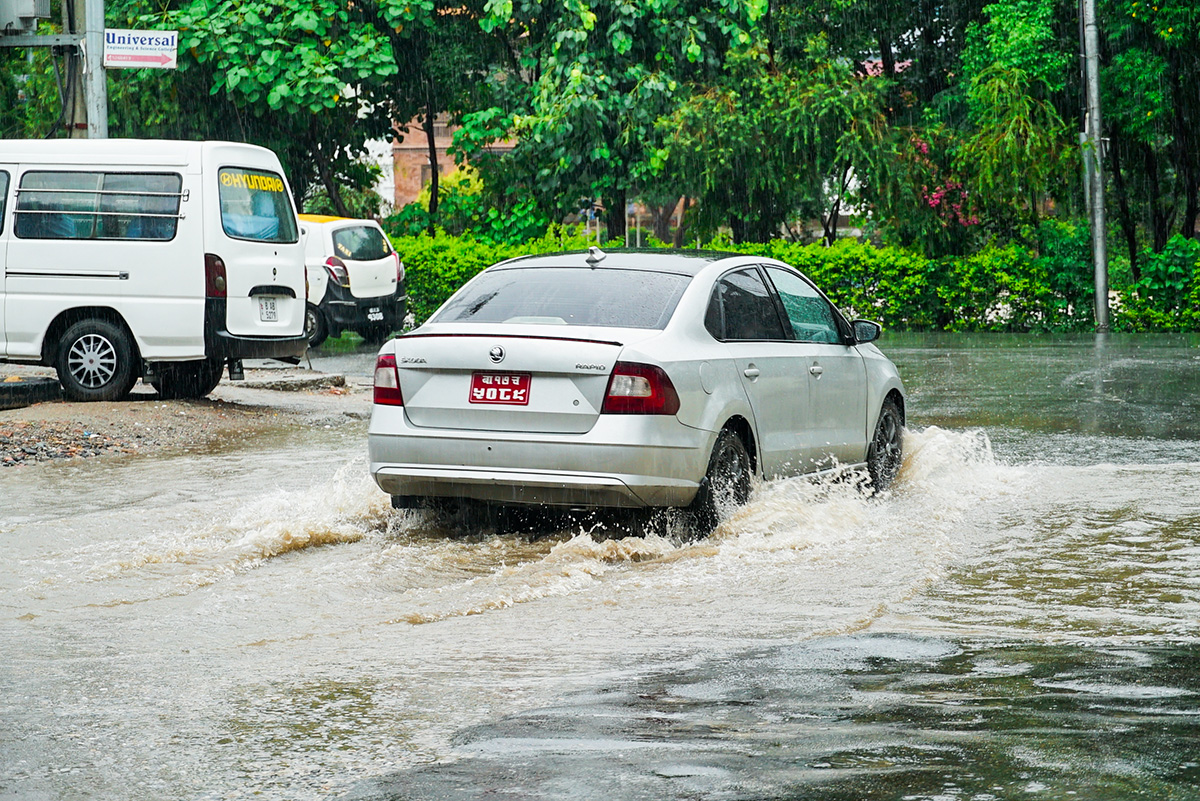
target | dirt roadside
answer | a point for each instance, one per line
(267, 399)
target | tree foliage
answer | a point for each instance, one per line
(946, 127)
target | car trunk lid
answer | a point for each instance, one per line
(516, 382)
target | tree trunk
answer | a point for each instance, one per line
(681, 231)
(1128, 224)
(433, 164)
(1185, 150)
(614, 214)
(830, 223)
(330, 183)
(1158, 214)
(660, 219)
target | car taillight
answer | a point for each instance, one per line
(387, 381)
(214, 276)
(399, 268)
(640, 389)
(337, 271)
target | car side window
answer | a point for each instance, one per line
(741, 308)
(3, 197)
(811, 316)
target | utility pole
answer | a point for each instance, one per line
(1093, 143)
(90, 107)
(82, 41)
(95, 81)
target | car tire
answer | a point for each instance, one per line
(316, 330)
(886, 451)
(188, 379)
(726, 484)
(96, 361)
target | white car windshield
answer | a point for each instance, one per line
(568, 296)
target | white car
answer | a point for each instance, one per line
(631, 380)
(355, 279)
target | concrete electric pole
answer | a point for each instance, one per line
(1093, 150)
(83, 38)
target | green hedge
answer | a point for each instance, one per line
(1045, 286)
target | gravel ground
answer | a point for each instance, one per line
(268, 399)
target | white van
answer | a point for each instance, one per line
(165, 260)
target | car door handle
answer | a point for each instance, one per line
(751, 372)
(816, 370)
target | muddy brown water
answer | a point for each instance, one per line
(1020, 618)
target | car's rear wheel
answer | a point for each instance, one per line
(316, 330)
(886, 451)
(726, 484)
(188, 379)
(95, 361)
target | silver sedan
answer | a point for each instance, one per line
(631, 380)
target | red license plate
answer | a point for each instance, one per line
(509, 389)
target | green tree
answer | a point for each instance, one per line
(1152, 112)
(776, 142)
(582, 86)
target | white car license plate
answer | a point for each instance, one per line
(268, 311)
(374, 315)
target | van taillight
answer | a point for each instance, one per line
(214, 276)
(387, 381)
(640, 389)
(337, 271)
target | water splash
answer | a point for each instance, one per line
(342, 509)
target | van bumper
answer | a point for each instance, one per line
(220, 344)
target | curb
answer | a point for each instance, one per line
(18, 391)
(296, 383)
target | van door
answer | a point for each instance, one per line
(261, 254)
(6, 173)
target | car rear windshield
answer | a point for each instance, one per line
(361, 243)
(255, 205)
(568, 296)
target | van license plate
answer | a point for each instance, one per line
(268, 312)
(374, 315)
(509, 389)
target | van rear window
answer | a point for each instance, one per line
(255, 205)
(98, 205)
(3, 197)
(361, 243)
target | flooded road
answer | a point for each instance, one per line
(1020, 618)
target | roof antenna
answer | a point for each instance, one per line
(595, 256)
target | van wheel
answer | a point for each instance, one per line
(188, 379)
(726, 484)
(315, 329)
(95, 361)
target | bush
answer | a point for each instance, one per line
(1045, 286)
(1167, 298)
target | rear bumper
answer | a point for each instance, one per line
(611, 466)
(344, 311)
(220, 344)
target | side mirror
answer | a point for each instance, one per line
(866, 331)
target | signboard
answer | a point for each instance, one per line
(140, 49)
